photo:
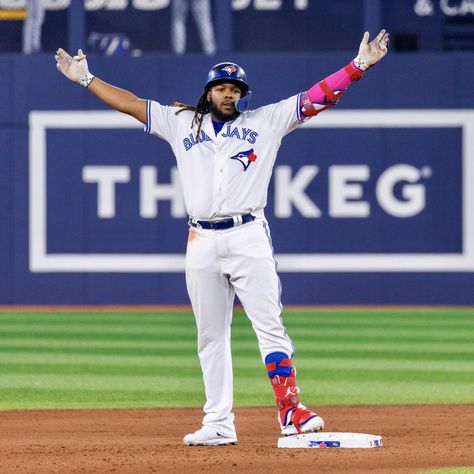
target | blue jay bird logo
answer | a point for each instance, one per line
(245, 157)
(324, 444)
(229, 69)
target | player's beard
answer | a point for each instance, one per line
(221, 116)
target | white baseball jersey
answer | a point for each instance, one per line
(228, 174)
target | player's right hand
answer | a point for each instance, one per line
(75, 69)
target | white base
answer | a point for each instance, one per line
(325, 439)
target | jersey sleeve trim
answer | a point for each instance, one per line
(148, 117)
(299, 111)
(298, 108)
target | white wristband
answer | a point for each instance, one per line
(360, 63)
(86, 80)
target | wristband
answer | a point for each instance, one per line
(86, 80)
(360, 63)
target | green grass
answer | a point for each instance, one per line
(344, 356)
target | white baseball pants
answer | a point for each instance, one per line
(220, 264)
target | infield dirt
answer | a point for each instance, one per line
(416, 437)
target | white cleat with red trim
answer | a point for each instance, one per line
(299, 420)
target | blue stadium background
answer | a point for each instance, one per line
(284, 50)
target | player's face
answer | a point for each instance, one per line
(222, 100)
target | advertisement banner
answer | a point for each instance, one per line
(332, 205)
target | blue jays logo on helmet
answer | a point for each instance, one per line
(229, 69)
(228, 72)
(245, 157)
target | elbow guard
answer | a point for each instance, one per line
(331, 98)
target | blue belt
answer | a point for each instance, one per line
(222, 224)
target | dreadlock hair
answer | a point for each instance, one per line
(201, 109)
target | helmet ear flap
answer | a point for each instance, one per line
(243, 104)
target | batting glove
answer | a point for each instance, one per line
(75, 69)
(371, 53)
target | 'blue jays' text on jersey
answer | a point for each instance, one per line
(225, 174)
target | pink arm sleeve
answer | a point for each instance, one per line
(327, 92)
(340, 80)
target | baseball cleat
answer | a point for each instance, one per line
(302, 420)
(207, 436)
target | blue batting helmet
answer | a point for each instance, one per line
(228, 72)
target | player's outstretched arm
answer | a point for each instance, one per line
(326, 93)
(77, 70)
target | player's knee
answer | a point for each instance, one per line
(278, 363)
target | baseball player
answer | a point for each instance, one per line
(225, 154)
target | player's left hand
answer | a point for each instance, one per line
(371, 53)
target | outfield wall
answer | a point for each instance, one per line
(369, 203)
